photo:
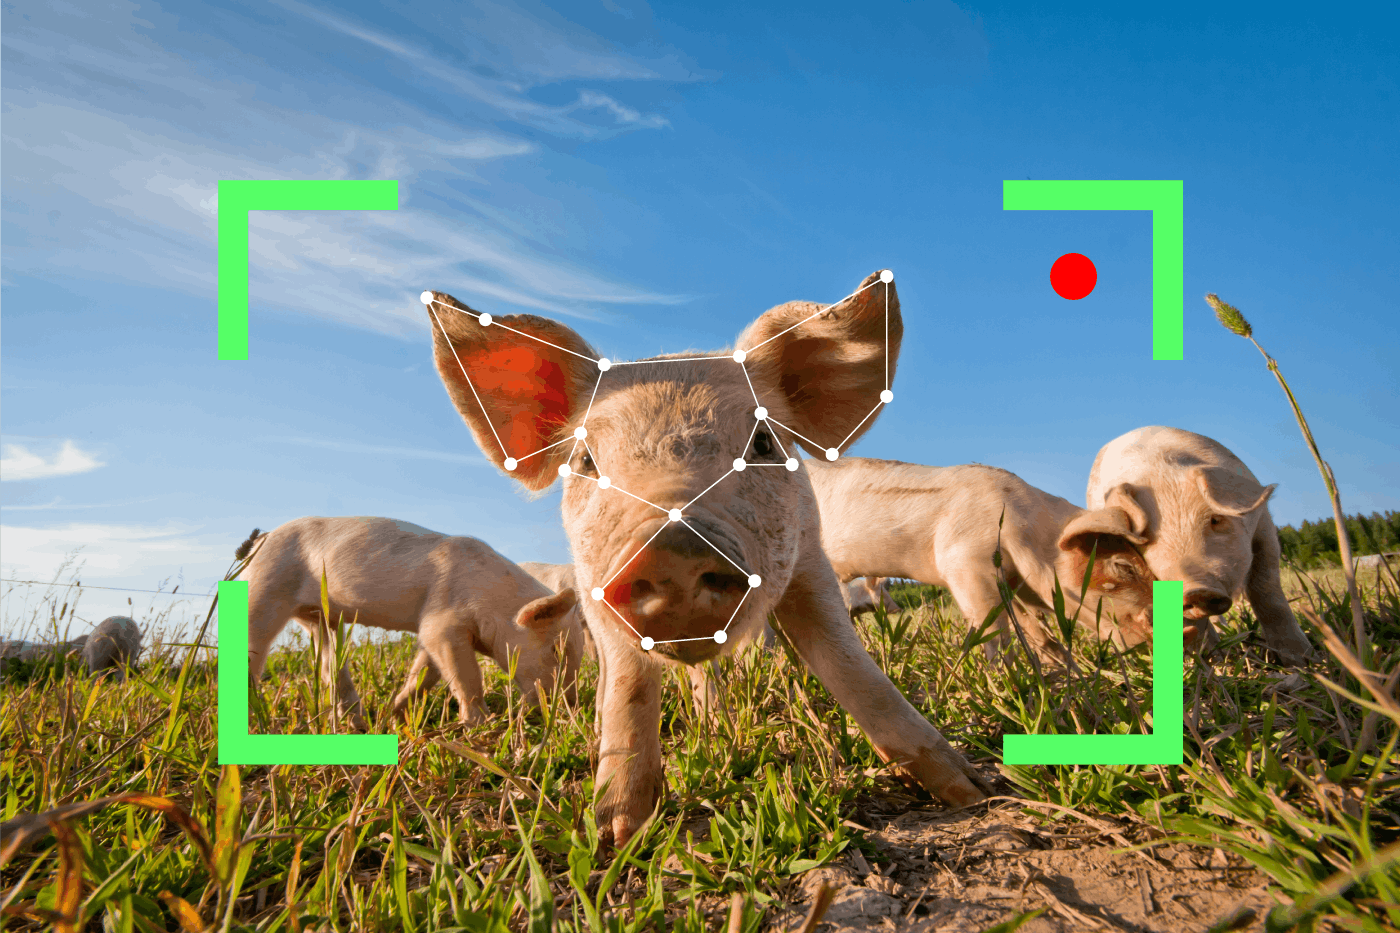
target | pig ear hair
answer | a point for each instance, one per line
(517, 382)
(829, 362)
(1087, 527)
(1229, 493)
(1122, 497)
(541, 614)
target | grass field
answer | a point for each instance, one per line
(1277, 817)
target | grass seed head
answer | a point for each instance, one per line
(1229, 315)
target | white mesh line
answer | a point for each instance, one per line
(735, 613)
(674, 359)
(750, 382)
(634, 556)
(707, 489)
(621, 616)
(786, 428)
(812, 315)
(589, 409)
(543, 449)
(541, 340)
(887, 336)
(716, 547)
(878, 406)
(485, 416)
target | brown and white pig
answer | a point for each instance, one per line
(863, 594)
(938, 525)
(640, 442)
(456, 593)
(1206, 521)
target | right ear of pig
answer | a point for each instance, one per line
(1230, 493)
(510, 389)
(1121, 497)
(539, 614)
(830, 366)
(1085, 528)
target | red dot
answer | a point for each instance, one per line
(1073, 276)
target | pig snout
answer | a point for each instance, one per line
(1201, 603)
(677, 586)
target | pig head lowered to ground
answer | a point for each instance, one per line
(663, 437)
(1206, 520)
(863, 594)
(938, 525)
(458, 594)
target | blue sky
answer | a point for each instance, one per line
(656, 177)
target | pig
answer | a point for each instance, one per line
(688, 516)
(938, 525)
(864, 593)
(456, 593)
(555, 576)
(114, 644)
(1206, 521)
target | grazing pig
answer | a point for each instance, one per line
(557, 577)
(459, 595)
(688, 517)
(115, 643)
(1206, 521)
(938, 525)
(863, 594)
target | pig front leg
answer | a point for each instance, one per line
(411, 688)
(629, 779)
(811, 614)
(1264, 588)
(347, 698)
(449, 649)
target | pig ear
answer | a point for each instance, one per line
(829, 363)
(1122, 497)
(541, 614)
(1086, 528)
(1228, 492)
(517, 382)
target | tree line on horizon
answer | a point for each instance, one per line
(1313, 544)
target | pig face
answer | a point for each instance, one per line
(540, 637)
(680, 472)
(1203, 521)
(1121, 577)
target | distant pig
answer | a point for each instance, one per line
(938, 525)
(686, 512)
(863, 594)
(1206, 521)
(114, 643)
(458, 594)
(560, 577)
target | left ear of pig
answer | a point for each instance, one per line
(1084, 529)
(830, 365)
(539, 614)
(517, 382)
(1229, 493)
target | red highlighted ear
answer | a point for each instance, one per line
(831, 363)
(518, 382)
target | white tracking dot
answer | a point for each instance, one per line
(510, 463)
(604, 482)
(832, 453)
(580, 433)
(760, 413)
(648, 643)
(755, 579)
(484, 320)
(426, 298)
(565, 471)
(887, 276)
(887, 396)
(791, 464)
(721, 637)
(739, 464)
(675, 515)
(739, 355)
(605, 364)
(597, 592)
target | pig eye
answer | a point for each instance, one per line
(587, 464)
(1217, 522)
(763, 444)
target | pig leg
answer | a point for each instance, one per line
(411, 688)
(1265, 591)
(976, 594)
(348, 699)
(455, 660)
(630, 775)
(812, 615)
(704, 690)
(266, 619)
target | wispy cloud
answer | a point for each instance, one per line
(110, 177)
(127, 555)
(18, 462)
(409, 453)
(59, 504)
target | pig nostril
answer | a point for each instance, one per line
(727, 583)
(1210, 603)
(642, 589)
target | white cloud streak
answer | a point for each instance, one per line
(18, 462)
